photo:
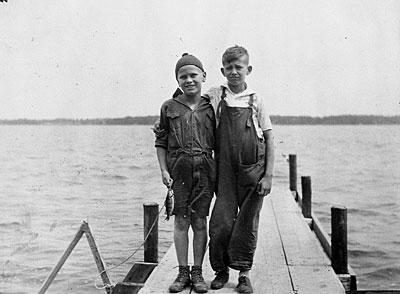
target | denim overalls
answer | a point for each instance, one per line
(240, 156)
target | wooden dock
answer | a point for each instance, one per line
(294, 254)
(289, 258)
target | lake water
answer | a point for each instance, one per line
(52, 177)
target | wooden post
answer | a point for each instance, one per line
(339, 239)
(151, 232)
(293, 172)
(97, 258)
(306, 199)
(62, 260)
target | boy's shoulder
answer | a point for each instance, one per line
(167, 103)
(214, 92)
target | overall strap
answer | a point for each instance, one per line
(251, 99)
(223, 96)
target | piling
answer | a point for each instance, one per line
(140, 271)
(339, 239)
(151, 232)
(293, 172)
(306, 193)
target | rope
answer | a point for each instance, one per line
(129, 257)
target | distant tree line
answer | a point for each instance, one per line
(276, 119)
(336, 120)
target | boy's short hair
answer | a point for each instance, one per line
(233, 53)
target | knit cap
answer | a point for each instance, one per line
(187, 59)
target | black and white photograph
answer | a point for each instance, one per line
(200, 147)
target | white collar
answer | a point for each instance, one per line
(247, 92)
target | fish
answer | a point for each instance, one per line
(169, 203)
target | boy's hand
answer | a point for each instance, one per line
(166, 178)
(156, 126)
(157, 130)
(264, 186)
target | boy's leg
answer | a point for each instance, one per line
(181, 239)
(244, 240)
(199, 226)
(221, 224)
(243, 243)
(181, 227)
(223, 217)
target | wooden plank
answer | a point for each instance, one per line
(127, 288)
(377, 292)
(135, 278)
(322, 236)
(309, 266)
(270, 273)
(283, 201)
(324, 240)
(315, 279)
(300, 245)
(139, 272)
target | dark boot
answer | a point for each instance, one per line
(221, 278)
(244, 285)
(199, 285)
(181, 281)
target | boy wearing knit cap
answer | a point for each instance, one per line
(245, 159)
(184, 142)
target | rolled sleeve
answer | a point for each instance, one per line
(263, 115)
(161, 131)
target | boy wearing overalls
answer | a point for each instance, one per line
(185, 140)
(245, 157)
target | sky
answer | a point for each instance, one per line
(95, 58)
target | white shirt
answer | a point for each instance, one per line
(261, 119)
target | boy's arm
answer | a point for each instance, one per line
(265, 183)
(214, 94)
(162, 161)
(161, 131)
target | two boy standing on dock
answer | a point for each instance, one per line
(240, 134)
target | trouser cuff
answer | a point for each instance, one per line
(241, 265)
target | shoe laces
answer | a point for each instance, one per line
(197, 275)
(243, 280)
(183, 274)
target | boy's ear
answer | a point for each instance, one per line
(204, 76)
(249, 69)
(222, 71)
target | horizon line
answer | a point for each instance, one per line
(156, 115)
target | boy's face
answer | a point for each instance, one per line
(236, 70)
(190, 78)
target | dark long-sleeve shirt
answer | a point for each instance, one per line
(185, 130)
